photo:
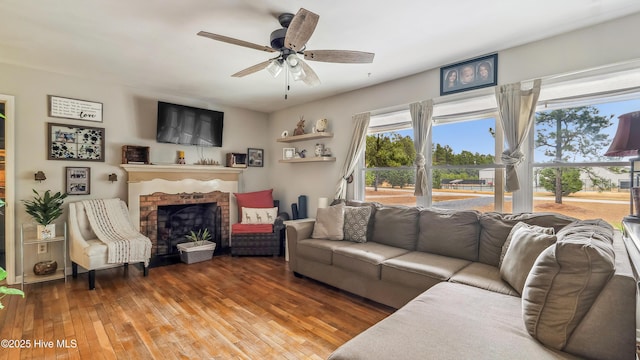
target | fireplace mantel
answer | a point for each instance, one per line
(139, 173)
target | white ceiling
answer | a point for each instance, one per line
(152, 44)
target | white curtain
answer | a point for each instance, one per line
(516, 108)
(421, 113)
(356, 147)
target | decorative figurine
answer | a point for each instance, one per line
(299, 127)
(321, 125)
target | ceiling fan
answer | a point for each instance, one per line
(290, 41)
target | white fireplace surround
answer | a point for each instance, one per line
(178, 179)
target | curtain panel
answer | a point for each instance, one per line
(516, 108)
(421, 115)
(356, 147)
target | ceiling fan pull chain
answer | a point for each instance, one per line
(286, 81)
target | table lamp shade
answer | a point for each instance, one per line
(626, 142)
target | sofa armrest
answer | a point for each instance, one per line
(297, 230)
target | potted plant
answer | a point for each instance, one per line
(44, 210)
(4, 291)
(199, 249)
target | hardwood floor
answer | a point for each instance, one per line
(226, 308)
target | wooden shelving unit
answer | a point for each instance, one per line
(310, 159)
(312, 136)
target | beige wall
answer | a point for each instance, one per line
(129, 119)
(596, 46)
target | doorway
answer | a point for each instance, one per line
(7, 187)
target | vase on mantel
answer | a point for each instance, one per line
(45, 232)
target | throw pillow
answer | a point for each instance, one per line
(256, 199)
(355, 223)
(516, 227)
(329, 223)
(563, 285)
(526, 245)
(259, 215)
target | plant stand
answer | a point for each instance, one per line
(191, 253)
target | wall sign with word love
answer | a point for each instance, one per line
(67, 108)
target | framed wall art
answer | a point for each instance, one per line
(71, 142)
(67, 108)
(78, 180)
(256, 157)
(468, 75)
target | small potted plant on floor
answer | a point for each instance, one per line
(44, 210)
(199, 249)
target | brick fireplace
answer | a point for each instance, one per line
(151, 186)
(149, 212)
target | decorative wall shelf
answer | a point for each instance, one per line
(310, 159)
(312, 136)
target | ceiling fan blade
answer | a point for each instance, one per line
(300, 29)
(311, 77)
(339, 56)
(250, 70)
(235, 41)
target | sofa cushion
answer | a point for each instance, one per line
(364, 258)
(320, 250)
(565, 281)
(259, 215)
(256, 199)
(495, 228)
(329, 223)
(374, 206)
(505, 246)
(450, 321)
(527, 242)
(483, 276)
(356, 220)
(420, 269)
(452, 233)
(397, 226)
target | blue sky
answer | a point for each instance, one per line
(474, 136)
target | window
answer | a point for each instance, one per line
(571, 174)
(389, 173)
(577, 116)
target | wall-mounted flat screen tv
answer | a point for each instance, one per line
(186, 125)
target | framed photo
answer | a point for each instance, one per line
(469, 75)
(67, 108)
(288, 153)
(71, 142)
(256, 157)
(78, 180)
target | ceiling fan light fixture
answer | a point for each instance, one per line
(297, 73)
(293, 60)
(275, 67)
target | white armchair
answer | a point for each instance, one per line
(85, 248)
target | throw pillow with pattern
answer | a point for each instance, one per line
(355, 223)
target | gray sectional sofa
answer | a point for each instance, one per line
(461, 295)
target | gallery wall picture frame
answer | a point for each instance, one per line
(255, 157)
(288, 153)
(67, 108)
(469, 75)
(78, 180)
(72, 142)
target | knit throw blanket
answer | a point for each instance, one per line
(109, 219)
